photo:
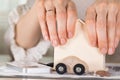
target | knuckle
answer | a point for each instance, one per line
(72, 14)
(49, 5)
(111, 23)
(41, 3)
(61, 10)
(117, 37)
(61, 15)
(60, 2)
(93, 39)
(100, 29)
(118, 32)
(71, 5)
(53, 35)
(90, 9)
(118, 23)
(50, 16)
(103, 43)
(90, 21)
(91, 34)
(71, 21)
(52, 32)
(41, 19)
(44, 32)
(90, 12)
(102, 5)
(102, 8)
(71, 30)
(113, 8)
(111, 43)
(100, 26)
(113, 5)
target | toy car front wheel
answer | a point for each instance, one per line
(79, 69)
(61, 68)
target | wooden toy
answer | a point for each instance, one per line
(77, 55)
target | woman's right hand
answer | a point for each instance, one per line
(57, 20)
(103, 25)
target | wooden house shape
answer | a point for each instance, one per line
(77, 55)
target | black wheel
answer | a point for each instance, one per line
(79, 69)
(61, 68)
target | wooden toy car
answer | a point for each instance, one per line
(77, 55)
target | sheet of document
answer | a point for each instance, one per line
(114, 70)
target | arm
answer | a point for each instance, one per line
(57, 23)
(27, 29)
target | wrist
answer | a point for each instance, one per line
(33, 11)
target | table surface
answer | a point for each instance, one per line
(3, 61)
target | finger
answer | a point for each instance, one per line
(101, 28)
(90, 25)
(42, 20)
(112, 15)
(51, 22)
(71, 19)
(61, 23)
(117, 39)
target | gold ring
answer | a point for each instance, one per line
(49, 10)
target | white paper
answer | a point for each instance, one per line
(114, 69)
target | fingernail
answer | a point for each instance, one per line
(70, 35)
(55, 43)
(46, 38)
(116, 43)
(104, 50)
(63, 41)
(111, 51)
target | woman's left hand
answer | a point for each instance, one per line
(103, 25)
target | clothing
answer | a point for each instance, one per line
(35, 53)
(20, 54)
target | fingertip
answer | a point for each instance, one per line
(46, 38)
(92, 39)
(111, 51)
(103, 46)
(116, 42)
(70, 34)
(63, 41)
(93, 43)
(55, 43)
(103, 50)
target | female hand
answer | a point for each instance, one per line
(103, 25)
(57, 20)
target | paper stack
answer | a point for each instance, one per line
(28, 67)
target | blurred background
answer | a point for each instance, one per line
(5, 7)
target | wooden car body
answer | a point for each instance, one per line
(78, 51)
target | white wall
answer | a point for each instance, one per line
(5, 7)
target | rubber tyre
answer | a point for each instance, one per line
(79, 69)
(61, 68)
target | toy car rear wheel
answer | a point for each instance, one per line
(61, 68)
(79, 69)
